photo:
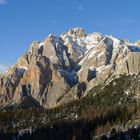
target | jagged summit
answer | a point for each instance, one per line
(63, 68)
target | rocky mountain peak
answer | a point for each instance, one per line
(138, 43)
(78, 32)
(63, 68)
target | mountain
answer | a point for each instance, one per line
(64, 68)
(75, 86)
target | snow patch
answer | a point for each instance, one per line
(22, 69)
(41, 44)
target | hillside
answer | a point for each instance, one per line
(106, 112)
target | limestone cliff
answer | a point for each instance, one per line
(64, 68)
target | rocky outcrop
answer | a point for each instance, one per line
(60, 69)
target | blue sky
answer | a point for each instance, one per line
(23, 21)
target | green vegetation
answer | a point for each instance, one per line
(102, 109)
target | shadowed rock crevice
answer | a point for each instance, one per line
(127, 66)
(134, 48)
(91, 74)
(81, 88)
(109, 50)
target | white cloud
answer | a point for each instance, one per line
(3, 1)
(3, 68)
(80, 7)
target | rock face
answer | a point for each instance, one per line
(60, 69)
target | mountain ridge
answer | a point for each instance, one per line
(61, 69)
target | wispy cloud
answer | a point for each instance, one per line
(3, 68)
(80, 7)
(3, 2)
(54, 21)
(125, 20)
